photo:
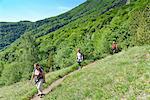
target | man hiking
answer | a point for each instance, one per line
(39, 78)
(114, 47)
(79, 58)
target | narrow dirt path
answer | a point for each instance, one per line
(50, 88)
(53, 86)
(56, 83)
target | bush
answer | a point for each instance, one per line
(11, 74)
(1, 68)
(140, 27)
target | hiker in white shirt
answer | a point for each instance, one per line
(79, 58)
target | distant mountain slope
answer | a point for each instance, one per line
(92, 27)
(9, 32)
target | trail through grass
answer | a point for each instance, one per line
(25, 90)
(122, 76)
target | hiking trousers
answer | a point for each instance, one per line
(39, 85)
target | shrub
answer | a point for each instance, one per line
(11, 74)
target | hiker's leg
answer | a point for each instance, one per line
(39, 86)
(79, 63)
(113, 51)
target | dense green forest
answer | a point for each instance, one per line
(9, 32)
(52, 42)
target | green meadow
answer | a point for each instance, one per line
(125, 75)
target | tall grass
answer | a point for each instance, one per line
(122, 76)
(25, 90)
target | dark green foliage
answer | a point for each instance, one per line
(9, 32)
(1, 68)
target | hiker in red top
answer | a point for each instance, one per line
(114, 47)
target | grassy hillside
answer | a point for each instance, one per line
(121, 76)
(24, 90)
(92, 26)
(124, 75)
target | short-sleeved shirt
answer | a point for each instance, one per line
(79, 57)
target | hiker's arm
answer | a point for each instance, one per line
(116, 46)
(32, 76)
(43, 75)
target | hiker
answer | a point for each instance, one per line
(79, 58)
(39, 78)
(114, 47)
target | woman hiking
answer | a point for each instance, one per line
(39, 78)
(114, 47)
(79, 58)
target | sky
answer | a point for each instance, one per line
(33, 10)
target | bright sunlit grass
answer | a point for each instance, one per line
(122, 76)
(25, 90)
